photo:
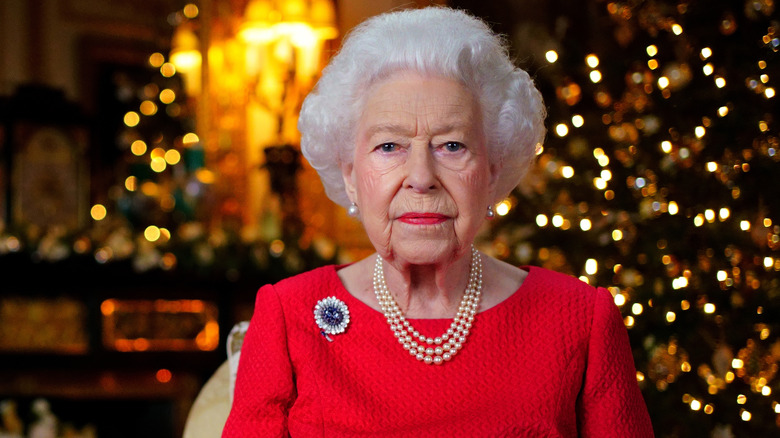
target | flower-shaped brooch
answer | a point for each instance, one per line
(332, 316)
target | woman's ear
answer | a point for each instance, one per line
(348, 174)
(495, 172)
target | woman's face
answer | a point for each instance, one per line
(421, 176)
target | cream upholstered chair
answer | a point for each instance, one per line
(212, 405)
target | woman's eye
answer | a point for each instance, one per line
(453, 146)
(387, 147)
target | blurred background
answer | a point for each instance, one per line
(151, 182)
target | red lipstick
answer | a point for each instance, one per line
(422, 218)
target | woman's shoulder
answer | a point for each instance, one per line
(562, 290)
(301, 286)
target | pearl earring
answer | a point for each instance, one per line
(353, 211)
(490, 213)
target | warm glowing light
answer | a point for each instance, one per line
(599, 183)
(156, 59)
(640, 377)
(673, 208)
(148, 108)
(670, 316)
(98, 212)
(585, 225)
(167, 96)
(595, 76)
(698, 220)
(699, 131)
(769, 92)
(629, 321)
(551, 56)
(591, 266)
(764, 79)
(577, 120)
(666, 146)
(617, 235)
(652, 64)
(157, 153)
(620, 300)
(567, 171)
(503, 208)
(190, 139)
(606, 175)
(138, 147)
(766, 391)
(679, 283)
(190, 10)
(637, 309)
(768, 262)
(706, 53)
(561, 129)
(172, 156)
(722, 111)
(767, 222)
(677, 29)
(744, 225)
(663, 82)
(276, 247)
(737, 363)
(709, 214)
(712, 166)
(745, 415)
(205, 176)
(720, 82)
(722, 275)
(652, 50)
(709, 308)
(158, 164)
(168, 69)
(708, 69)
(152, 233)
(131, 183)
(132, 118)
(695, 405)
(539, 149)
(163, 375)
(557, 220)
(592, 60)
(724, 214)
(541, 220)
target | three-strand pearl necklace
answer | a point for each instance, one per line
(442, 348)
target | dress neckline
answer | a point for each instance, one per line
(353, 300)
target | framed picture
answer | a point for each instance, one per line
(49, 185)
(159, 325)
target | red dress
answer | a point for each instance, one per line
(552, 360)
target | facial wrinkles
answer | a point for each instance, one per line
(414, 118)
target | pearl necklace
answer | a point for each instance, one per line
(442, 348)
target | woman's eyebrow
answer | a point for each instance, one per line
(391, 128)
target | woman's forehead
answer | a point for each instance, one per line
(403, 101)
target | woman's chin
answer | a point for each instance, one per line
(426, 251)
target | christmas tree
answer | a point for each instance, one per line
(658, 179)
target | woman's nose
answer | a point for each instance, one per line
(421, 172)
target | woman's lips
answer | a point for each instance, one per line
(423, 218)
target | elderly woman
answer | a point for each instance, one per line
(418, 126)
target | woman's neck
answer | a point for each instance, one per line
(428, 291)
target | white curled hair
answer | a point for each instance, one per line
(436, 41)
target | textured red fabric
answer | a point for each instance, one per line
(553, 360)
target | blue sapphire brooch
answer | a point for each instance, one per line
(332, 316)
